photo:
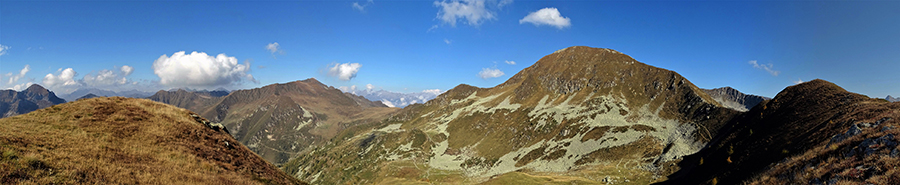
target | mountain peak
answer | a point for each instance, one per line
(35, 88)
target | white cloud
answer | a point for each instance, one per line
(504, 3)
(126, 70)
(65, 78)
(432, 28)
(473, 11)
(20, 87)
(345, 71)
(490, 73)
(547, 16)
(362, 7)
(447, 41)
(16, 77)
(432, 91)
(767, 67)
(799, 81)
(274, 48)
(108, 77)
(388, 103)
(510, 62)
(370, 87)
(200, 70)
(3, 49)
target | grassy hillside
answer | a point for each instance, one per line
(125, 141)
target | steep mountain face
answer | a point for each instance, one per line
(35, 97)
(395, 99)
(191, 100)
(125, 141)
(577, 115)
(280, 121)
(734, 99)
(810, 133)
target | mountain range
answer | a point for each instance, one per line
(280, 121)
(78, 93)
(580, 115)
(577, 113)
(33, 98)
(395, 99)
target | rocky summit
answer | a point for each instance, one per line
(578, 115)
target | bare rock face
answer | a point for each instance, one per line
(575, 111)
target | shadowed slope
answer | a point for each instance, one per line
(125, 141)
(799, 119)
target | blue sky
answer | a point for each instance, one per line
(411, 46)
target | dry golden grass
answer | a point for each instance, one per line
(124, 141)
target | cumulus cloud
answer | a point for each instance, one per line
(767, 67)
(799, 81)
(65, 78)
(447, 41)
(510, 62)
(13, 78)
(345, 71)
(362, 7)
(126, 70)
(370, 87)
(108, 77)
(200, 70)
(473, 12)
(490, 73)
(3, 49)
(547, 16)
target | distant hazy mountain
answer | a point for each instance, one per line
(89, 96)
(734, 99)
(892, 99)
(396, 99)
(107, 93)
(35, 97)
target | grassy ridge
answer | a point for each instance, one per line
(124, 141)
